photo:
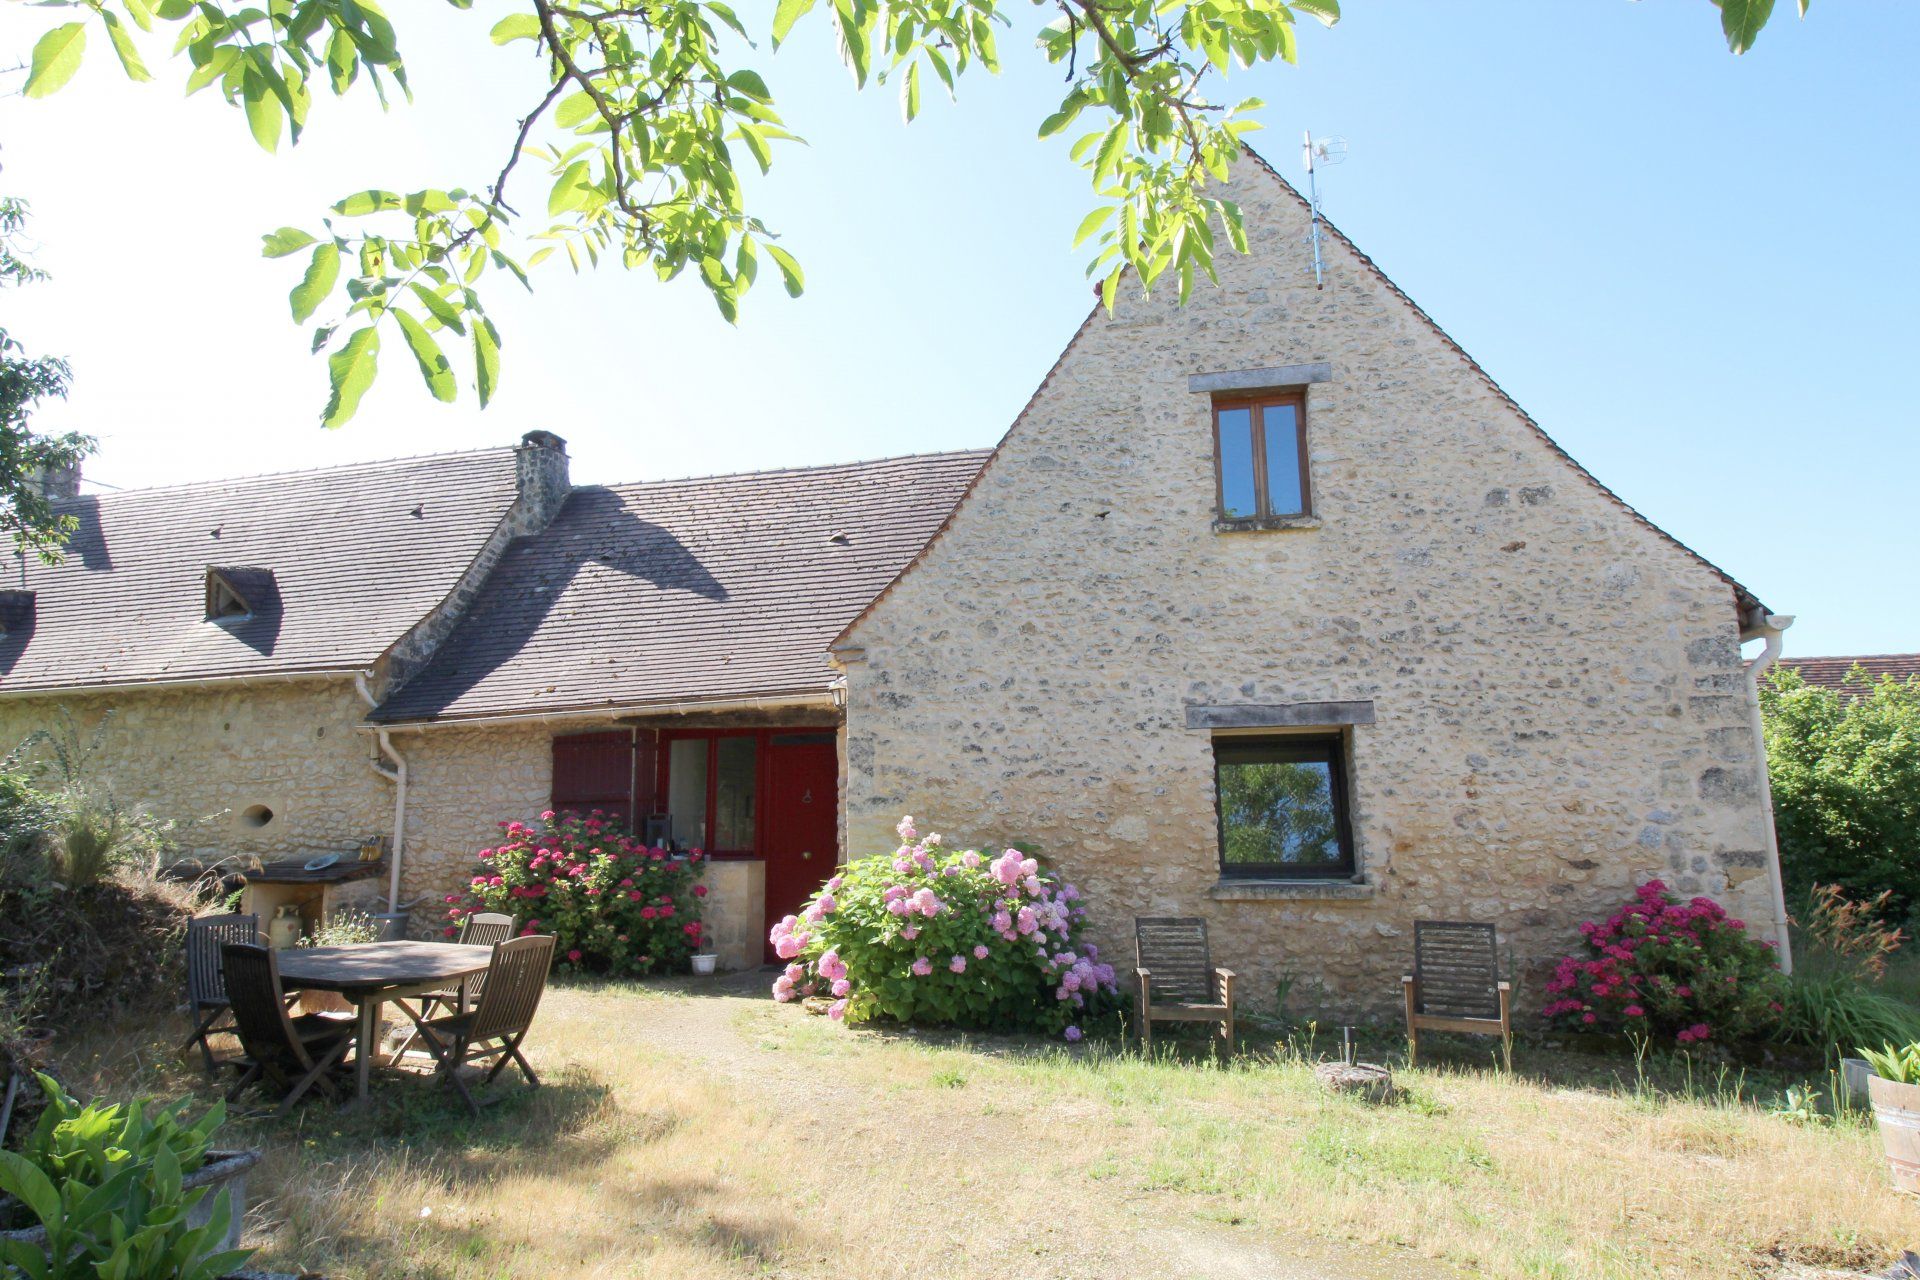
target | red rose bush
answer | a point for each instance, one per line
(613, 904)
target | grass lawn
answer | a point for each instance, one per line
(702, 1135)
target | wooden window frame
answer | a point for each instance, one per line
(1257, 403)
(1332, 748)
(761, 757)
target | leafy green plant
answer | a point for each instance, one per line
(1846, 787)
(27, 816)
(1899, 1064)
(1835, 997)
(106, 1184)
(648, 121)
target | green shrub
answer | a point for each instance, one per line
(27, 815)
(106, 1184)
(928, 934)
(612, 904)
(1846, 786)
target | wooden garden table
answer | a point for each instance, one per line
(372, 973)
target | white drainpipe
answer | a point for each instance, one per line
(1771, 627)
(397, 775)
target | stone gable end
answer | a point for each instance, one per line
(1556, 692)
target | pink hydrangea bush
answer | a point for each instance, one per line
(613, 904)
(1681, 972)
(936, 935)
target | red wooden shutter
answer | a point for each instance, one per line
(646, 777)
(594, 771)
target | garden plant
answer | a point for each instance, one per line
(613, 904)
(936, 935)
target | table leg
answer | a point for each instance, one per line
(366, 1047)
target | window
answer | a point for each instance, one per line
(1283, 808)
(713, 787)
(594, 771)
(235, 594)
(1260, 454)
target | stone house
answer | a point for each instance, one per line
(1273, 608)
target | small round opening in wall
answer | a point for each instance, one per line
(256, 816)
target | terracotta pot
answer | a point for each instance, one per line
(1896, 1107)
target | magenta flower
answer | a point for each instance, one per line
(980, 951)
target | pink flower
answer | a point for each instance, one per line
(980, 951)
(574, 955)
(958, 964)
(837, 1010)
(699, 891)
(783, 988)
(1634, 1011)
(906, 830)
(922, 967)
(1073, 1035)
(971, 859)
(841, 986)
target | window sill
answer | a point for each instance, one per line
(1266, 524)
(1232, 890)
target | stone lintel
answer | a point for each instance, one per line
(1285, 375)
(1286, 715)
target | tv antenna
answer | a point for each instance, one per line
(1319, 152)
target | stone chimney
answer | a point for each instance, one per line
(64, 482)
(544, 484)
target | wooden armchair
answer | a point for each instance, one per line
(290, 1055)
(1177, 980)
(1455, 984)
(481, 929)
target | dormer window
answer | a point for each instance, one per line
(16, 612)
(235, 593)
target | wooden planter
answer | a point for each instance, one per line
(1896, 1107)
(223, 1168)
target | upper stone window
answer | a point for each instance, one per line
(235, 593)
(1260, 459)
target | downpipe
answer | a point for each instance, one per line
(396, 773)
(1770, 627)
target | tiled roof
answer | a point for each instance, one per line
(357, 555)
(1831, 673)
(718, 588)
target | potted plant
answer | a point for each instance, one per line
(1895, 1092)
(703, 964)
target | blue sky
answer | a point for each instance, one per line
(1696, 271)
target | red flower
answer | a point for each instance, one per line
(699, 891)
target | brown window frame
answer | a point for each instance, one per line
(1258, 403)
(1330, 749)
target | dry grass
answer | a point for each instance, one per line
(728, 1137)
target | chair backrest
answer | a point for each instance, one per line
(1456, 968)
(259, 1009)
(515, 980)
(1174, 950)
(486, 929)
(206, 983)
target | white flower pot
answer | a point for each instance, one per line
(703, 965)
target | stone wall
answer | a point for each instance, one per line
(218, 757)
(1560, 705)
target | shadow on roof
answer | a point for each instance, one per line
(595, 530)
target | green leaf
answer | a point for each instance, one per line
(56, 56)
(263, 109)
(1327, 11)
(486, 359)
(123, 47)
(1741, 20)
(573, 109)
(910, 92)
(434, 369)
(278, 244)
(750, 83)
(350, 371)
(785, 15)
(362, 203)
(570, 190)
(21, 1180)
(516, 26)
(790, 274)
(439, 308)
(1092, 223)
(323, 270)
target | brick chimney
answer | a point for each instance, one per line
(542, 475)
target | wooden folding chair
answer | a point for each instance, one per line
(1177, 980)
(482, 929)
(206, 981)
(290, 1054)
(1456, 985)
(515, 980)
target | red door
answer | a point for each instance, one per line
(803, 830)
